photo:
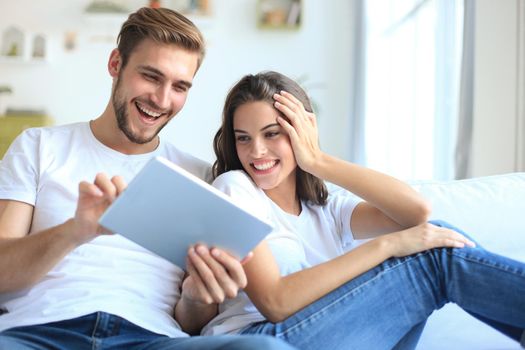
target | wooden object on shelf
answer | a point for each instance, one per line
(279, 14)
(12, 125)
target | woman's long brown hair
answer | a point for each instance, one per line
(261, 87)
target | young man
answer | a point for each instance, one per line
(64, 282)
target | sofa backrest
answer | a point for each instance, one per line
(491, 209)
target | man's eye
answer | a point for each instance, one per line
(149, 77)
(180, 88)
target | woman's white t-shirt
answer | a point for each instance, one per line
(318, 234)
(43, 167)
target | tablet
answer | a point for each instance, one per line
(165, 209)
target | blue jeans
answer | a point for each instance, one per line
(105, 331)
(387, 307)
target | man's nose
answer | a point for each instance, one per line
(161, 97)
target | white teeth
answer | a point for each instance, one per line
(264, 166)
(148, 111)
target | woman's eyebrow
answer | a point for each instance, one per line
(262, 129)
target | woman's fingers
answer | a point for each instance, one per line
(445, 237)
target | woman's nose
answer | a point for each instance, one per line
(258, 148)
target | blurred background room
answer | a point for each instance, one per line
(420, 89)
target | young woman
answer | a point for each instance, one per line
(306, 284)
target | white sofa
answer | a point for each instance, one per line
(492, 210)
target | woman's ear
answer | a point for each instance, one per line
(114, 63)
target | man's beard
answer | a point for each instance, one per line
(121, 112)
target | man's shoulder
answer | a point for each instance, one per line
(65, 129)
(189, 162)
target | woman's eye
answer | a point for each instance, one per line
(272, 134)
(242, 138)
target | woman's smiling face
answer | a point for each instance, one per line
(263, 147)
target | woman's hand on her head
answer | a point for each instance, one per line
(424, 237)
(301, 127)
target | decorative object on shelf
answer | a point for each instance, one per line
(279, 14)
(13, 42)
(105, 6)
(70, 40)
(4, 90)
(155, 4)
(39, 47)
(191, 7)
(20, 46)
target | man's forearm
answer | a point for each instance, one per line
(24, 261)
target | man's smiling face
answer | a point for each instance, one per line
(151, 89)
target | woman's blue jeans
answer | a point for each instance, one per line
(105, 331)
(387, 307)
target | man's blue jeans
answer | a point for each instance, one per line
(387, 307)
(105, 331)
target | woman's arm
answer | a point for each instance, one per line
(390, 204)
(278, 297)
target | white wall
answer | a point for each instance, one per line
(75, 86)
(498, 96)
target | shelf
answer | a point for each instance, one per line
(279, 14)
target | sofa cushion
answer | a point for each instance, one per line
(491, 209)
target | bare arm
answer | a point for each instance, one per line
(24, 258)
(278, 297)
(390, 204)
(36, 253)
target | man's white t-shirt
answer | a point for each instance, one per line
(43, 167)
(318, 234)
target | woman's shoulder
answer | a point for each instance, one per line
(240, 187)
(237, 178)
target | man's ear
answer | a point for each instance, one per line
(114, 63)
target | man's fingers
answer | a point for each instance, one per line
(232, 265)
(120, 183)
(89, 189)
(228, 285)
(103, 182)
(206, 272)
(198, 283)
